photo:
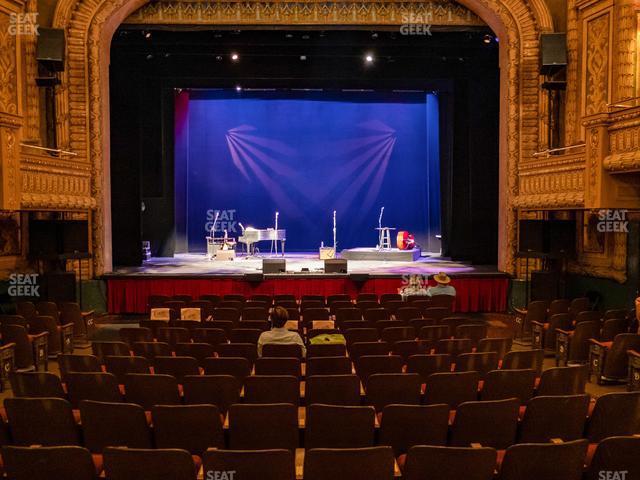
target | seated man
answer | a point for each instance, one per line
(279, 333)
(442, 286)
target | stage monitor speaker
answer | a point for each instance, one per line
(553, 52)
(50, 49)
(532, 237)
(335, 265)
(274, 265)
(562, 238)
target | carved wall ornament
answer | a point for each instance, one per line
(597, 64)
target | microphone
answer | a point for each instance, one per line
(242, 227)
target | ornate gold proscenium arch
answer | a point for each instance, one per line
(83, 99)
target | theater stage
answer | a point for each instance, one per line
(480, 288)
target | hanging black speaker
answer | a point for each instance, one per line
(50, 49)
(553, 52)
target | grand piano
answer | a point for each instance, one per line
(250, 236)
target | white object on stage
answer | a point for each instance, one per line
(384, 234)
(251, 236)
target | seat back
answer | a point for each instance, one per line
(177, 367)
(237, 367)
(446, 463)
(554, 417)
(263, 389)
(149, 390)
(193, 428)
(481, 362)
(130, 335)
(563, 381)
(219, 390)
(148, 464)
(274, 464)
(108, 424)
(326, 350)
(333, 426)
(328, 366)
(615, 414)
(257, 427)
(499, 345)
(562, 461)
(278, 366)
(41, 421)
(404, 426)
(36, 384)
(287, 350)
(368, 365)
(430, 335)
(332, 389)
(62, 462)
(521, 359)
(454, 346)
(151, 350)
(615, 454)
(23, 353)
(502, 384)
(77, 363)
(489, 423)
(474, 332)
(243, 350)
(393, 388)
(121, 366)
(372, 463)
(212, 336)
(425, 365)
(616, 363)
(102, 349)
(101, 387)
(197, 350)
(452, 388)
(361, 349)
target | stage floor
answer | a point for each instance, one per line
(192, 264)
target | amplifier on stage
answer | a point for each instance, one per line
(335, 265)
(274, 265)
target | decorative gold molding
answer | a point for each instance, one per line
(190, 12)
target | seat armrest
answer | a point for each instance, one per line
(593, 341)
(566, 332)
(8, 346)
(88, 314)
(540, 324)
(66, 325)
(633, 353)
(39, 335)
(521, 311)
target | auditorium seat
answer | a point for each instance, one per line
(436, 313)
(151, 350)
(245, 335)
(418, 323)
(372, 463)
(177, 367)
(121, 366)
(488, 423)
(254, 313)
(62, 463)
(616, 454)
(503, 384)
(407, 348)
(346, 314)
(425, 365)
(26, 310)
(182, 298)
(258, 427)
(334, 426)
(521, 359)
(550, 461)
(219, 390)
(326, 350)
(367, 297)
(384, 389)
(106, 424)
(612, 327)
(374, 315)
(546, 418)
(481, 362)
(197, 350)
(313, 298)
(212, 336)
(155, 301)
(403, 426)
(609, 361)
(148, 464)
(396, 334)
(30, 350)
(130, 335)
(430, 335)
(563, 381)
(351, 324)
(148, 390)
(367, 365)
(239, 350)
(193, 428)
(278, 366)
(213, 299)
(392, 306)
(263, 389)
(442, 301)
(359, 335)
(577, 306)
(364, 305)
(173, 335)
(572, 346)
(102, 349)
(285, 350)
(544, 334)
(224, 325)
(614, 414)
(60, 336)
(230, 314)
(338, 305)
(447, 463)
(238, 367)
(451, 388)
(406, 313)
(175, 308)
(206, 308)
(499, 345)
(473, 332)
(36, 384)
(332, 390)
(273, 464)
(41, 421)
(101, 387)
(454, 346)
(536, 311)
(262, 325)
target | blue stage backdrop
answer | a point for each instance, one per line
(306, 154)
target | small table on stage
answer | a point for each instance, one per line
(384, 240)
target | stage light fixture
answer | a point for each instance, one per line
(149, 57)
(238, 88)
(303, 57)
(147, 35)
(487, 39)
(235, 57)
(368, 58)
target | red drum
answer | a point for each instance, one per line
(405, 240)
